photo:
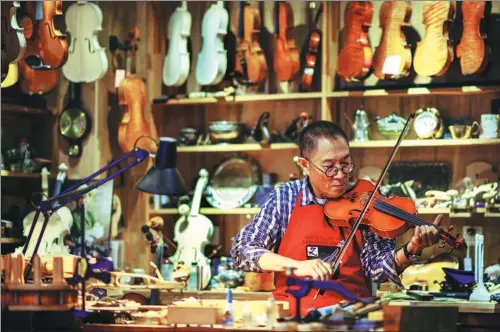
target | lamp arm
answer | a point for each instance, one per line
(45, 207)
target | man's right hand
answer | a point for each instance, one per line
(315, 268)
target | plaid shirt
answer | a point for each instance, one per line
(269, 226)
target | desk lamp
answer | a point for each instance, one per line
(162, 179)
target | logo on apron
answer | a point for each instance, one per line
(325, 253)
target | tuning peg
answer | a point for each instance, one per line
(441, 244)
(450, 228)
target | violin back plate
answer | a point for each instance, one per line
(211, 64)
(177, 62)
(87, 60)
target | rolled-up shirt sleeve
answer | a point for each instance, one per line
(377, 259)
(258, 237)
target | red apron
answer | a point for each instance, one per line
(309, 236)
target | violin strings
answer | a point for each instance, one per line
(397, 212)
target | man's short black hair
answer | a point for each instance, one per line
(308, 137)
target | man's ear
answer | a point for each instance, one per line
(304, 164)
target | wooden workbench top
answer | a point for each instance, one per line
(463, 306)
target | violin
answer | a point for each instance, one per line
(13, 40)
(286, 55)
(193, 232)
(434, 54)
(313, 49)
(388, 217)
(177, 61)
(47, 47)
(132, 99)
(87, 60)
(250, 66)
(392, 58)
(472, 50)
(355, 57)
(212, 60)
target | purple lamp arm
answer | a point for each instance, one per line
(45, 207)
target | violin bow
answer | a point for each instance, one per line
(355, 226)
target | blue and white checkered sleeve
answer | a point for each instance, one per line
(258, 237)
(377, 259)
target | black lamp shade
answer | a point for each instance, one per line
(164, 178)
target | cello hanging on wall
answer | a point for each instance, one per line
(286, 55)
(132, 99)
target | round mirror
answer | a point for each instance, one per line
(234, 182)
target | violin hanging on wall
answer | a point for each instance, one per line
(250, 65)
(212, 59)
(434, 54)
(392, 58)
(286, 55)
(87, 60)
(132, 99)
(47, 48)
(13, 43)
(472, 50)
(312, 64)
(13, 40)
(177, 61)
(355, 57)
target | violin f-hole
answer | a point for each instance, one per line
(91, 51)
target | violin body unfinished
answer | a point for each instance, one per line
(472, 50)
(434, 54)
(355, 57)
(87, 61)
(177, 61)
(392, 58)
(212, 60)
(250, 64)
(13, 40)
(286, 55)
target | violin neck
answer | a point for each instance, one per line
(241, 20)
(396, 212)
(277, 18)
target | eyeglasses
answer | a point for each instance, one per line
(332, 170)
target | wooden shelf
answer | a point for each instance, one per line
(11, 240)
(244, 211)
(354, 145)
(20, 174)
(417, 91)
(243, 98)
(236, 147)
(12, 108)
(426, 143)
(207, 211)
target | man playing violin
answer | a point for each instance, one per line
(291, 230)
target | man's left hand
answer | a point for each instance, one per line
(424, 236)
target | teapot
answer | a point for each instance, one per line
(360, 126)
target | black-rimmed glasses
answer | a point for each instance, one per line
(333, 170)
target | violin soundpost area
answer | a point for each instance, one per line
(151, 155)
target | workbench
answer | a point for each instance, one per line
(471, 316)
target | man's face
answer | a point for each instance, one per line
(329, 153)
